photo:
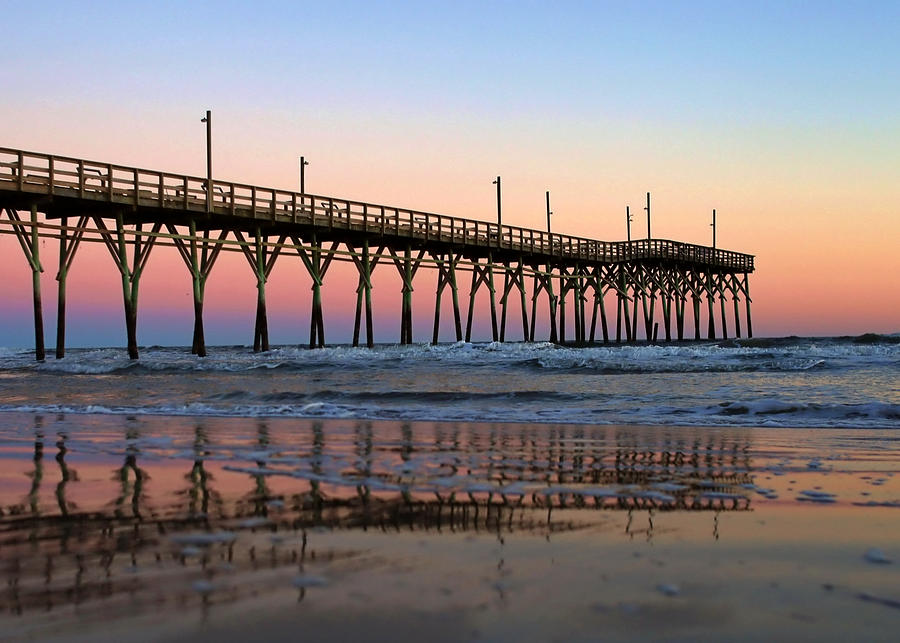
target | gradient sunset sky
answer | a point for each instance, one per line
(784, 116)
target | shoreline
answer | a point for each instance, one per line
(168, 413)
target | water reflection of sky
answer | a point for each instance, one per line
(211, 512)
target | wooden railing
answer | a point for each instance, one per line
(30, 172)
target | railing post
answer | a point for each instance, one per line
(162, 191)
(21, 160)
(50, 175)
(80, 179)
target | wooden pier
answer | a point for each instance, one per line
(131, 211)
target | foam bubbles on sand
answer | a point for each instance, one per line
(812, 495)
(203, 587)
(667, 589)
(308, 580)
(203, 539)
(875, 555)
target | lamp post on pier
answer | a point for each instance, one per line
(648, 215)
(548, 212)
(713, 225)
(499, 217)
(209, 181)
(303, 164)
(628, 221)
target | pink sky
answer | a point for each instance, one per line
(783, 120)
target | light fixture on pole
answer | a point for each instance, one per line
(499, 217)
(303, 164)
(648, 215)
(209, 181)
(548, 211)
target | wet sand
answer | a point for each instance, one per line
(224, 529)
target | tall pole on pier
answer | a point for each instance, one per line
(548, 211)
(499, 217)
(209, 181)
(303, 164)
(713, 224)
(628, 221)
(648, 215)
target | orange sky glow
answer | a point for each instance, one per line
(722, 114)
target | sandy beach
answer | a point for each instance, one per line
(179, 528)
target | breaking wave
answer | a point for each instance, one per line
(767, 412)
(730, 356)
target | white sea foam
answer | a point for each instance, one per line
(830, 383)
(663, 358)
(762, 413)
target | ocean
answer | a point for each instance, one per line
(849, 382)
(741, 490)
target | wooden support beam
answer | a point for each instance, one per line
(407, 267)
(455, 296)
(482, 274)
(721, 292)
(563, 289)
(507, 284)
(513, 278)
(316, 322)
(747, 303)
(365, 264)
(67, 247)
(578, 289)
(619, 303)
(554, 304)
(29, 237)
(408, 291)
(316, 266)
(680, 287)
(710, 297)
(696, 301)
(199, 258)
(600, 295)
(261, 332)
(61, 290)
(634, 312)
(261, 263)
(36, 270)
(734, 300)
(131, 275)
(446, 266)
(594, 310)
(666, 303)
(543, 281)
(476, 281)
(648, 303)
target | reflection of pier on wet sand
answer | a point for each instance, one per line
(207, 538)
